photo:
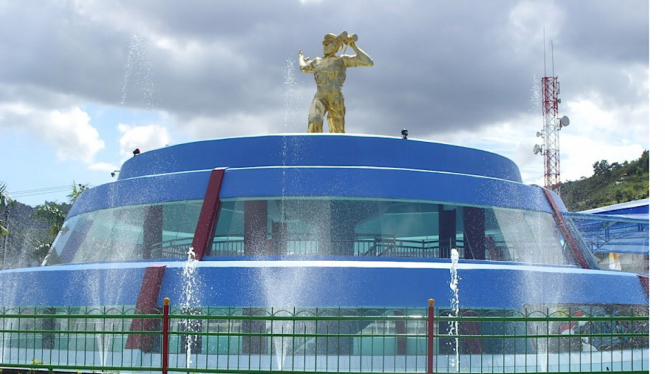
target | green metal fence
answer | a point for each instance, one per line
(324, 340)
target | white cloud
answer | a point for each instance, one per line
(227, 69)
(530, 19)
(514, 140)
(615, 134)
(242, 124)
(73, 134)
(144, 138)
(589, 118)
(595, 134)
(68, 130)
(103, 166)
(582, 152)
(10, 110)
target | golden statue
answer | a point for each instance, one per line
(329, 74)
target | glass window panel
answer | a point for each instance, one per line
(114, 235)
(127, 233)
(529, 237)
(230, 230)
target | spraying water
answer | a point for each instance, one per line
(190, 304)
(138, 69)
(94, 285)
(287, 294)
(454, 303)
(291, 97)
(292, 112)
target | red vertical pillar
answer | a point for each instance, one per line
(447, 231)
(209, 210)
(474, 233)
(400, 330)
(430, 337)
(153, 227)
(165, 336)
(645, 282)
(146, 304)
(256, 228)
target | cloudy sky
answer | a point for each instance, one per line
(83, 83)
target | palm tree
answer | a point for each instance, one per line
(77, 190)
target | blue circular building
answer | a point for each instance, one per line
(361, 220)
(321, 221)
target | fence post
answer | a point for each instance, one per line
(430, 337)
(165, 336)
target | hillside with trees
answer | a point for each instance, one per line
(26, 233)
(610, 184)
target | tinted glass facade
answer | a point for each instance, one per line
(314, 227)
(126, 233)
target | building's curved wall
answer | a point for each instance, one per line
(383, 183)
(318, 165)
(364, 182)
(320, 150)
(362, 167)
(320, 283)
(144, 190)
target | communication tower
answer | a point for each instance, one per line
(549, 147)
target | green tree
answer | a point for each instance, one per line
(5, 202)
(54, 214)
(610, 184)
(601, 167)
(643, 161)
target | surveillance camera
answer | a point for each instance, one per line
(405, 133)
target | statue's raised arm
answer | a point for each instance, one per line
(361, 58)
(329, 74)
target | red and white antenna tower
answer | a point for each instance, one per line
(550, 132)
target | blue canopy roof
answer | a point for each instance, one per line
(605, 233)
(632, 209)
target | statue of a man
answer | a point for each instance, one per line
(329, 74)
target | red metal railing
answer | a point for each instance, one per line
(165, 336)
(575, 339)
